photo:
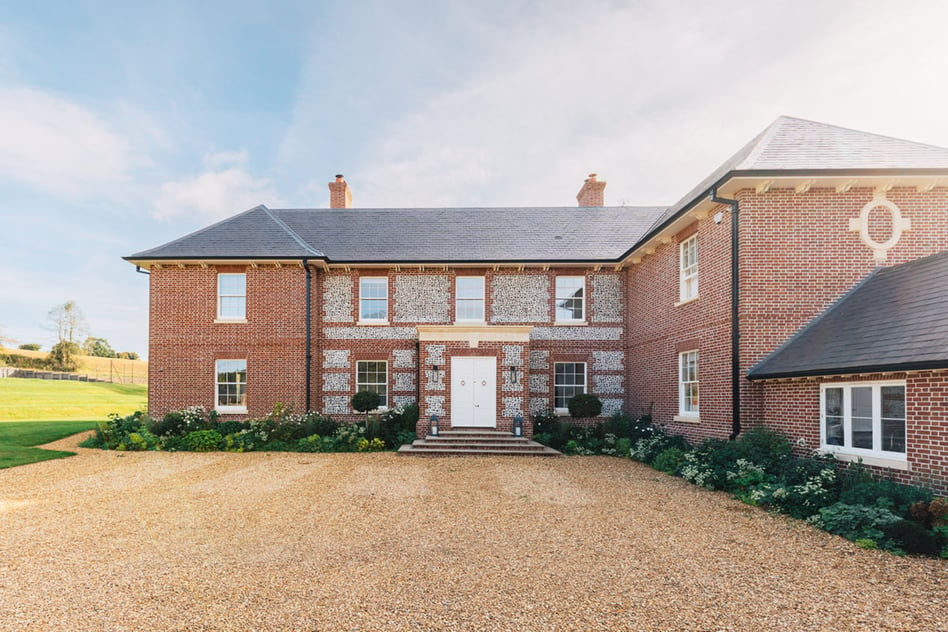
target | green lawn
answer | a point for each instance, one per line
(37, 400)
(17, 439)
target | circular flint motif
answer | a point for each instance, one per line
(894, 213)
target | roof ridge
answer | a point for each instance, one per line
(760, 143)
(816, 319)
(292, 233)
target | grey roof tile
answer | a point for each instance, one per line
(418, 235)
(895, 319)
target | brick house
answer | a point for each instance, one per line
(481, 314)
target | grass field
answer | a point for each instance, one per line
(17, 439)
(43, 400)
(127, 371)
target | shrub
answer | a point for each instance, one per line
(647, 448)
(855, 522)
(584, 406)
(126, 433)
(30, 346)
(866, 543)
(394, 424)
(181, 422)
(230, 427)
(203, 441)
(623, 426)
(64, 356)
(669, 460)
(911, 537)
(405, 437)
(550, 429)
(798, 497)
(883, 493)
(241, 441)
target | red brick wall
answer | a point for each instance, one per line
(793, 408)
(184, 340)
(797, 256)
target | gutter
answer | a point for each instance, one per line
(735, 322)
(309, 329)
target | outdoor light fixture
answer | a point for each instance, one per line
(433, 426)
(518, 426)
(434, 374)
(513, 375)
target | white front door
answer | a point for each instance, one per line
(474, 392)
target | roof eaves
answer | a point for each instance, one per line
(894, 367)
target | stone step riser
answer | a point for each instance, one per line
(489, 448)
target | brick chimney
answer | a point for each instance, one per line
(340, 196)
(592, 192)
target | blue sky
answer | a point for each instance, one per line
(125, 125)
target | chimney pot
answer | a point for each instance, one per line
(591, 194)
(340, 195)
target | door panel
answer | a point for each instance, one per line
(474, 392)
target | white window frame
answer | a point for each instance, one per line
(688, 269)
(876, 455)
(562, 410)
(384, 282)
(459, 300)
(221, 296)
(687, 412)
(560, 295)
(383, 405)
(230, 408)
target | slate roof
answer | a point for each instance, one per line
(797, 145)
(896, 319)
(434, 235)
(550, 234)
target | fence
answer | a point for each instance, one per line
(114, 375)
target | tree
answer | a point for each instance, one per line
(69, 321)
(127, 355)
(98, 347)
(30, 346)
(364, 401)
(64, 356)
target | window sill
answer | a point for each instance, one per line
(372, 323)
(469, 323)
(231, 410)
(893, 463)
(687, 419)
(570, 323)
(378, 411)
(230, 320)
(686, 301)
(561, 412)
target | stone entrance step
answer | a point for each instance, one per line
(476, 441)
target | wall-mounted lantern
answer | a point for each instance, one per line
(433, 426)
(514, 375)
(518, 426)
(434, 375)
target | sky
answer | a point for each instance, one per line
(124, 125)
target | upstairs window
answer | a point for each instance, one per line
(864, 419)
(373, 299)
(372, 376)
(688, 384)
(569, 378)
(688, 269)
(232, 296)
(469, 298)
(570, 304)
(231, 386)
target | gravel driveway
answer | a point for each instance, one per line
(156, 541)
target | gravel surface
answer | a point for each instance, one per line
(165, 541)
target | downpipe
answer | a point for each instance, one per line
(735, 323)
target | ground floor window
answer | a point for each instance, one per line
(688, 383)
(231, 386)
(863, 418)
(372, 375)
(569, 378)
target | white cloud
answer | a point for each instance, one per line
(225, 188)
(59, 147)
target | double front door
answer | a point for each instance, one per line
(474, 392)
